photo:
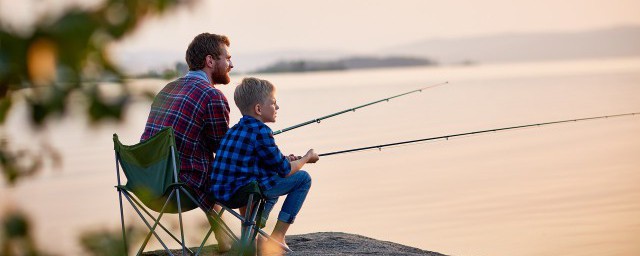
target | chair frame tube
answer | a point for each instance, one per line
(152, 229)
(124, 235)
(175, 177)
(154, 219)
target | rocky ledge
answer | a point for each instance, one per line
(330, 243)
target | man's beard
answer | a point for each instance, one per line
(220, 76)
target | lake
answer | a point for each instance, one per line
(566, 189)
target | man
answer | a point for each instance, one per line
(198, 113)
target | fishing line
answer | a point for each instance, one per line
(447, 137)
(317, 120)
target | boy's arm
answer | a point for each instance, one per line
(268, 155)
(310, 157)
(293, 157)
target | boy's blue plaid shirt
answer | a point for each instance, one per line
(247, 152)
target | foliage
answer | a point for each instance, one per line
(49, 67)
(108, 242)
(16, 237)
(61, 57)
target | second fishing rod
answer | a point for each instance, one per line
(447, 137)
(317, 120)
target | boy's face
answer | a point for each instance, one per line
(269, 109)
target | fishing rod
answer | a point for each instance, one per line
(446, 137)
(317, 120)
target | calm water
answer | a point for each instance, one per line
(569, 189)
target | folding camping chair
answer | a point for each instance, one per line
(152, 176)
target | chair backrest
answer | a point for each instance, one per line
(150, 170)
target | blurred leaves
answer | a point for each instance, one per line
(16, 237)
(108, 242)
(20, 163)
(63, 62)
(66, 57)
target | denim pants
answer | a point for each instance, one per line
(296, 188)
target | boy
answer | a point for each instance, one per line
(248, 153)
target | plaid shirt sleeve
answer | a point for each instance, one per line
(216, 120)
(269, 156)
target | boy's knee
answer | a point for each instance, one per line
(305, 177)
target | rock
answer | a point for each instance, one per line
(328, 243)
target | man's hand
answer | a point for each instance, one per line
(312, 156)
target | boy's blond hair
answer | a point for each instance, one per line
(250, 92)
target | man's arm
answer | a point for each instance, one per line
(216, 120)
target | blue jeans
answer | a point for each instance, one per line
(296, 188)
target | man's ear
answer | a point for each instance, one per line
(209, 61)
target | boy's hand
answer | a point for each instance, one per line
(312, 156)
(293, 157)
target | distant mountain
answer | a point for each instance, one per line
(612, 42)
(343, 64)
(247, 62)
(604, 43)
(380, 62)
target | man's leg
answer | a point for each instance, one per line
(224, 241)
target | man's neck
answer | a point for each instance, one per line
(202, 74)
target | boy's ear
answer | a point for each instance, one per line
(257, 109)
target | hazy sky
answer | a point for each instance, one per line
(350, 25)
(367, 25)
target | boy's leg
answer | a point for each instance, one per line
(268, 206)
(296, 188)
(269, 247)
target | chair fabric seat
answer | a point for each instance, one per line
(239, 199)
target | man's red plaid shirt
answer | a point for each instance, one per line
(199, 115)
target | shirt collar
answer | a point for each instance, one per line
(198, 73)
(249, 119)
(254, 122)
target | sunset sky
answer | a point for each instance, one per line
(361, 25)
(355, 26)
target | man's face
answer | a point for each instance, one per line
(222, 67)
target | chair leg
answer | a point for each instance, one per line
(124, 233)
(152, 229)
(254, 224)
(159, 224)
(246, 226)
(119, 189)
(216, 218)
(228, 230)
(204, 241)
(184, 249)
